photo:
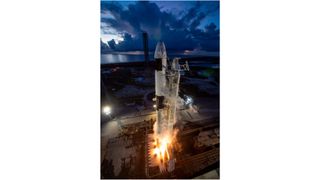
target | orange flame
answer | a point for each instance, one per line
(161, 148)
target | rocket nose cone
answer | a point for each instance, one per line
(160, 51)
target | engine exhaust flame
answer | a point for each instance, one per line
(163, 147)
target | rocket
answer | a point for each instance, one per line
(160, 57)
(167, 78)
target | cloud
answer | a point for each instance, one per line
(104, 47)
(179, 33)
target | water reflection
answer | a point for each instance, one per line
(124, 58)
(120, 58)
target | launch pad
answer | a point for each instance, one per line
(192, 154)
(198, 154)
(162, 125)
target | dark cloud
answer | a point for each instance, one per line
(130, 43)
(207, 39)
(112, 44)
(178, 33)
(196, 22)
(104, 47)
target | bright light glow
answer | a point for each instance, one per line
(163, 147)
(161, 151)
(189, 100)
(156, 151)
(154, 106)
(107, 110)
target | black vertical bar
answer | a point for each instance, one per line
(145, 48)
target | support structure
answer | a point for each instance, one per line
(145, 48)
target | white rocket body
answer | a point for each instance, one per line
(160, 57)
(167, 78)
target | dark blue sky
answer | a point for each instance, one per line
(182, 25)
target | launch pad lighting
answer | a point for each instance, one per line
(189, 100)
(107, 110)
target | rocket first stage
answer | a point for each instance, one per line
(167, 77)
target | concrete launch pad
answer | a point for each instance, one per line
(129, 154)
(127, 133)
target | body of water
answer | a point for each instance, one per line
(124, 58)
(120, 58)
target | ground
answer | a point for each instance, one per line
(129, 91)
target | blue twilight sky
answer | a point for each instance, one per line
(182, 25)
